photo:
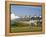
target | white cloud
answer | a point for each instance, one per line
(14, 17)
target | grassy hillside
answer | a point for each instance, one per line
(21, 27)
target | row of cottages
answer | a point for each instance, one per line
(29, 20)
(34, 19)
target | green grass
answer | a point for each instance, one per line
(20, 27)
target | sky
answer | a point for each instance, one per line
(19, 10)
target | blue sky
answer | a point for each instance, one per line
(25, 10)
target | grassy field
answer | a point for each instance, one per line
(20, 27)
